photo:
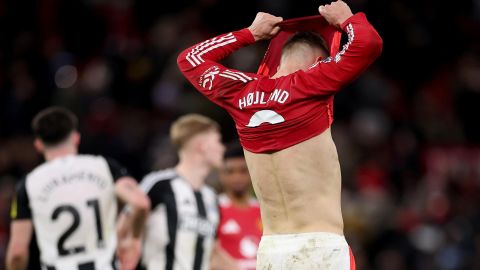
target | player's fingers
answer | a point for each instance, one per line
(275, 30)
(321, 9)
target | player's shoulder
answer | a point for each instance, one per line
(61, 161)
(91, 158)
(161, 177)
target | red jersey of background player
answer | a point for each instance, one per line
(273, 114)
(240, 231)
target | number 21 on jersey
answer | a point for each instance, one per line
(71, 210)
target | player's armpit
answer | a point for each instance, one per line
(17, 252)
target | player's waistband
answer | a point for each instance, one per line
(317, 238)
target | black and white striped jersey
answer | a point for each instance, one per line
(71, 201)
(180, 232)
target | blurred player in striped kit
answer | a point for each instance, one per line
(70, 201)
(180, 233)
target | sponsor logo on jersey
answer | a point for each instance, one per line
(249, 246)
(206, 79)
(198, 225)
(231, 227)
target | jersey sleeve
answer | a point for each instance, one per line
(199, 64)
(20, 208)
(329, 75)
(155, 190)
(117, 170)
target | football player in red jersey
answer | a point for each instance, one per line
(284, 123)
(240, 226)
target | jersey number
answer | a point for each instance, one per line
(265, 116)
(62, 251)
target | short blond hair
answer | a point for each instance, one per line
(187, 126)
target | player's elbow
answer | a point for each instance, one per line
(17, 256)
(376, 44)
(180, 59)
(182, 62)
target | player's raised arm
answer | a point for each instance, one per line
(199, 63)
(363, 47)
(213, 50)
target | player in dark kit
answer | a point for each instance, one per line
(70, 201)
(283, 122)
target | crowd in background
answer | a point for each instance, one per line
(407, 131)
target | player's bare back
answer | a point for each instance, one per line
(299, 187)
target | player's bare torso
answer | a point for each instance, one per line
(283, 124)
(299, 187)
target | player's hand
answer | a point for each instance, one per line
(265, 26)
(336, 13)
(129, 251)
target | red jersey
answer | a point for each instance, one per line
(240, 231)
(274, 114)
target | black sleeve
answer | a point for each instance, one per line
(160, 192)
(117, 170)
(21, 204)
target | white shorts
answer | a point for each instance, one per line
(304, 251)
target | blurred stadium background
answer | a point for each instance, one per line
(407, 131)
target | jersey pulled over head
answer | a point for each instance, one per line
(302, 50)
(304, 33)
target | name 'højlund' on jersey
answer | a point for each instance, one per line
(258, 97)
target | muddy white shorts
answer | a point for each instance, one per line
(304, 251)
